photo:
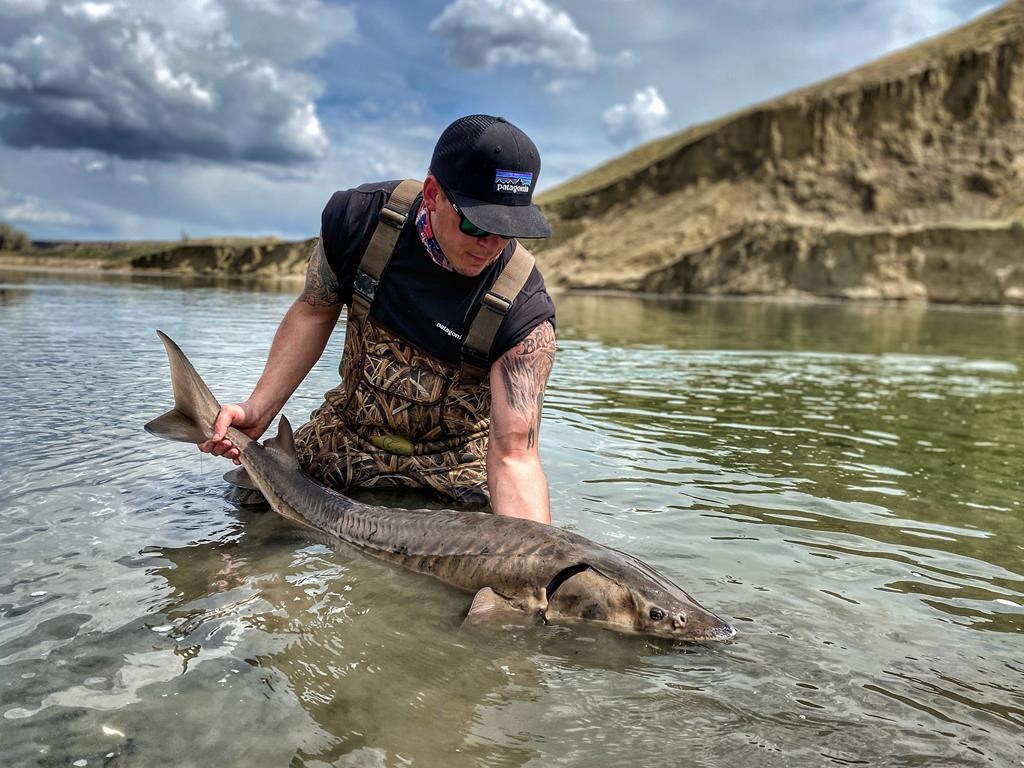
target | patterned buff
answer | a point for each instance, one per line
(427, 237)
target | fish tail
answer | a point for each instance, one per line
(195, 408)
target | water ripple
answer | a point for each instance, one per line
(843, 483)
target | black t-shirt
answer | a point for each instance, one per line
(422, 302)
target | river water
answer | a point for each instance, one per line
(842, 482)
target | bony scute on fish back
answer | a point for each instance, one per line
(510, 564)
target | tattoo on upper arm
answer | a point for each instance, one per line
(524, 371)
(321, 289)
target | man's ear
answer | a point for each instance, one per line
(432, 192)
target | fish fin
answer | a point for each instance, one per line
(242, 491)
(239, 478)
(284, 440)
(192, 399)
(175, 425)
(490, 607)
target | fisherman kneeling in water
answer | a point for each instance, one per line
(450, 336)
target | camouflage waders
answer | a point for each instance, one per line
(401, 418)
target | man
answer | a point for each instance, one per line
(450, 335)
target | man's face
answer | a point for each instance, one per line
(468, 255)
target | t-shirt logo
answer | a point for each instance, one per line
(512, 182)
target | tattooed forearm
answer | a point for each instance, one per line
(524, 371)
(321, 289)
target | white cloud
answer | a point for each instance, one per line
(91, 11)
(32, 210)
(483, 34)
(624, 59)
(562, 85)
(210, 79)
(643, 118)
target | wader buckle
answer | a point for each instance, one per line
(393, 217)
(497, 303)
(365, 285)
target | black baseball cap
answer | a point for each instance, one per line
(491, 167)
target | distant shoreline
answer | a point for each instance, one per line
(101, 268)
(221, 258)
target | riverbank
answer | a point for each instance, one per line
(963, 264)
(898, 180)
(220, 257)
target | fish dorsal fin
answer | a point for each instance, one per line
(284, 440)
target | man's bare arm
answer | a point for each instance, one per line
(321, 288)
(515, 478)
(298, 343)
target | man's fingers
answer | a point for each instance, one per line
(220, 426)
(224, 448)
(219, 444)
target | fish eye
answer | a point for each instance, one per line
(657, 614)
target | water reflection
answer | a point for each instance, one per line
(819, 326)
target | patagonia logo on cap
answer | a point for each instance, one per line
(512, 182)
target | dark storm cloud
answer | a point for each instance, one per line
(143, 80)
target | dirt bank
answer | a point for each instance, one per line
(901, 179)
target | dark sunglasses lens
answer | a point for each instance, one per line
(469, 228)
(466, 226)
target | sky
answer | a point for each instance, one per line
(156, 119)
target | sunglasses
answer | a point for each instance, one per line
(466, 226)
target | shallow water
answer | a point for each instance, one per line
(843, 482)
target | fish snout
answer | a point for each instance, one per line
(705, 626)
(678, 621)
(722, 633)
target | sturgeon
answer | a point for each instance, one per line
(514, 567)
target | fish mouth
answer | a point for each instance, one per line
(718, 631)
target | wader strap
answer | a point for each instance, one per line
(493, 307)
(378, 253)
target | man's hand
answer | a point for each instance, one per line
(243, 417)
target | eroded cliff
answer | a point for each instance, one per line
(898, 180)
(266, 259)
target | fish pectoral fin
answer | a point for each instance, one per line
(491, 608)
(239, 478)
(242, 491)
